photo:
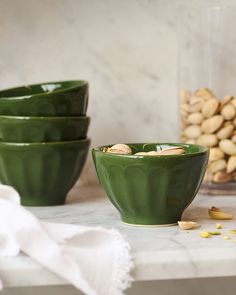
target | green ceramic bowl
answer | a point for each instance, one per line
(151, 190)
(65, 98)
(42, 129)
(42, 173)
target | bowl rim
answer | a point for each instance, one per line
(44, 143)
(81, 83)
(205, 150)
(50, 118)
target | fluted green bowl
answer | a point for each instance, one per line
(42, 173)
(62, 98)
(42, 129)
(151, 190)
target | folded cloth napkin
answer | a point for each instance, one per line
(95, 260)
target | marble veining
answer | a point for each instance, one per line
(127, 50)
(159, 253)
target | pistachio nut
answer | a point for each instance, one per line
(175, 150)
(209, 140)
(233, 138)
(210, 107)
(184, 95)
(183, 124)
(218, 226)
(233, 102)
(184, 138)
(218, 214)
(227, 99)
(212, 124)
(183, 114)
(234, 122)
(119, 148)
(221, 177)
(193, 131)
(195, 118)
(215, 154)
(195, 104)
(205, 234)
(231, 164)
(208, 176)
(186, 225)
(204, 93)
(227, 123)
(217, 165)
(228, 111)
(225, 132)
(152, 153)
(184, 107)
(228, 147)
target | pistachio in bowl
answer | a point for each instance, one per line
(151, 184)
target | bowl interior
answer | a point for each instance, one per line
(42, 88)
(190, 149)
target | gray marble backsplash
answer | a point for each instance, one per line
(127, 50)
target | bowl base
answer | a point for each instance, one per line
(149, 225)
(40, 203)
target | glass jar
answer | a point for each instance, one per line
(207, 87)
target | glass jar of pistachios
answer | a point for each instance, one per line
(207, 87)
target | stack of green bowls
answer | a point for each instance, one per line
(43, 139)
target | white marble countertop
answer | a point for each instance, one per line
(159, 253)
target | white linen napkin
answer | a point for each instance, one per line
(95, 260)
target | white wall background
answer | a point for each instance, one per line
(127, 50)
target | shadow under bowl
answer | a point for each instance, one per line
(42, 129)
(151, 190)
(42, 173)
(62, 98)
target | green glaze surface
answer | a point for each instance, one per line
(42, 173)
(151, 190)
(40, 129)
(65, 98)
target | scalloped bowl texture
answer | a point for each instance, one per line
(151, 190)
(62, 98)
(42, 129)
(42, 173)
